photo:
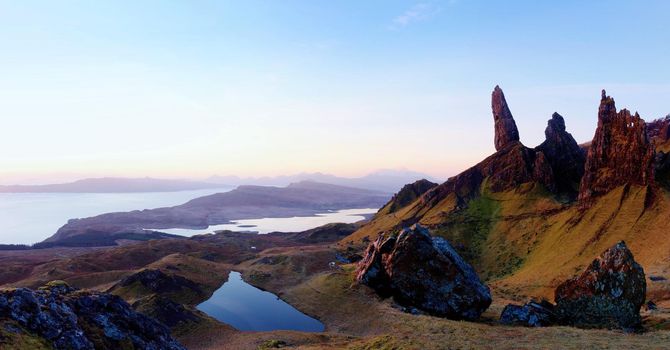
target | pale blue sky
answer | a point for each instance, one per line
(194, 88)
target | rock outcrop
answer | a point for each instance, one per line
(424, 272)
(658, 132)
(532, 314)
(74, 319)
(506, 132)
(159, 282)
(608, 294)
(408, 194)
(565, 157)
(557, 163)
(620, 152)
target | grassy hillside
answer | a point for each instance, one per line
(525, 242)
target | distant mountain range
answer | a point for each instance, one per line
(383, 180)
(387, 180)
(113, 185)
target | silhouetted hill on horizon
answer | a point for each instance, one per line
(113, 185)
(382, 180)
(385, 180)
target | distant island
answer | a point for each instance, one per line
(245, 202)
(385, 180)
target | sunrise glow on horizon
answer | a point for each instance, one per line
(191, 89)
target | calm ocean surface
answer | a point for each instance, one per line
(28, 218)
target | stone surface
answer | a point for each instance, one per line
(620, 152)
(532, 314)
(424, 272)
(506, 132)
(565, 157)
(608, 294)
(73, 319)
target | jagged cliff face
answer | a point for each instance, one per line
(620, 152)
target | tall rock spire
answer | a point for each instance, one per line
(564, 155)
(619, 154)
(505, 127)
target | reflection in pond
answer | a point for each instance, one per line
(248, 308)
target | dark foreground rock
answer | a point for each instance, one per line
(532, 314)
(424, 272)
(608, 294)
(67, 318)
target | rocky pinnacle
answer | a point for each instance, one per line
(505, 128)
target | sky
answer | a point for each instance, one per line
(189, 89)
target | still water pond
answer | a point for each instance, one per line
(248, 308)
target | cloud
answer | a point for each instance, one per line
(417, 13)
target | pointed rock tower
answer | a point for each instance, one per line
(620, 153)
(506, 132)
(564, 155)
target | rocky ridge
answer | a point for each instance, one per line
(557, 163)
(408, 194)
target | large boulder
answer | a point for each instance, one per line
(424, 272)
(67, 318)
(620, 152)
(608, 294)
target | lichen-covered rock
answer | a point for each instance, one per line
(608, 294)
(72, 319)
(620, 152)
(424, 272)
(506, 132)
(532, 314)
